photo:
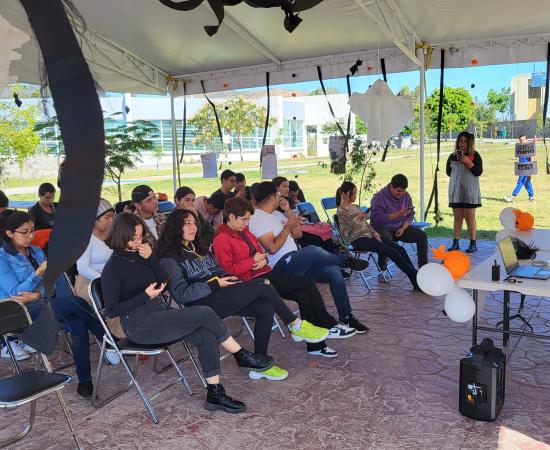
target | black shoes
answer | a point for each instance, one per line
(85, 390)
(356, 264)
(247, 361)
(216, 398)
(472, 248)
(455, 246)
(351, 321)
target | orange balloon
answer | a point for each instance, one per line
(474, 62)
(456, 262)
(525, 221)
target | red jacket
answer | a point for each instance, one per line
(233, 253)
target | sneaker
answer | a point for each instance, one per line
(351, 321)
(509, 199)
(326, 352)
(384, 276)
(18, 352)
(273, 374)
(25, 347)
(531, 199)
(308, 332)
(111, 357)
(247, 361)
(341, 331)
(356, 264)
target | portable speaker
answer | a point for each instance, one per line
(482, 381)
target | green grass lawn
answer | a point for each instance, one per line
(497, 181)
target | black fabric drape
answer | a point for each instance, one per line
(383, 67)
(184, 127)
(545, 109)
(215, 112)
(268, 112)
(81, 124)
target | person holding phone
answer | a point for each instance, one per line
(392, 214)
(132, 282)
(197, 279)
(464, 167)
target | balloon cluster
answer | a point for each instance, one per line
(512, 219)
(439, 279)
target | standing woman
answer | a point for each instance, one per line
(464, 166)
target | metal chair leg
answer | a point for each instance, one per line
(277, 325)
(68, 419)
(195, 365)
(13, 439)
(162, 369)
(180, 373)
(248, 329)
(144, 398)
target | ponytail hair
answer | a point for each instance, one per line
(347, 186)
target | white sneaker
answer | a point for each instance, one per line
(341, 331)
(25, 347)
(326, 352)
(509, 199)
(18, 352)
(112, 357)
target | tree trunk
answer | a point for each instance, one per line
(119, 189)
(240, 147)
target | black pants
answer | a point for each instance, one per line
(393, 251)
(154, 323)
(313, 239)
(303, 290)
(412, 235)
(255, 299)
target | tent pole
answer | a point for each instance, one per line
(174, 142)
(422, 129)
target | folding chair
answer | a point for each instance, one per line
(329, 204)
(27, 387)
(125, 347)
(276, 326)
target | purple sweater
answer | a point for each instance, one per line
(383, 204)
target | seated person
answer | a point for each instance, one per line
(132, 282)
(197, 279)
(276, 233)
(392, 214)
(146, 207)
(211, 209)
(4, 202)
(241, 189)
(295, 193)
(22, 269)
(185, 199)
(355, 228)
(239, 253)
(43, 212)
(228, 179)
(91, 262)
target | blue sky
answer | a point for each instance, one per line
(483, 77)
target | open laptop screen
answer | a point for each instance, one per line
(508, 254)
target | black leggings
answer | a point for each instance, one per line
(199, 325)
(255, 299)
(303, 290)
(313, 239)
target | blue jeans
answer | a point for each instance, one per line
(323, 267)
(524, 181)
(77, 318)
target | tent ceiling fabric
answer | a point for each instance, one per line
(135, 44)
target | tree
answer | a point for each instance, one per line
(360, 127)
(124, 142)
(484, 117)
(239, 117)
(319, 91)
(331, 129)
(457, 101)
(499, 101)
(18, 139)
(157, 154)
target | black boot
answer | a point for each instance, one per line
(455, 245)
(247, 361)
(85, 390)
(472, 248)
(217, 399)
(356, 264)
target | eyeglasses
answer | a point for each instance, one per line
(25, 233)
(244, 219)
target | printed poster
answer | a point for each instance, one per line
(209, 165)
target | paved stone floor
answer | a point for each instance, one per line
(393, 388)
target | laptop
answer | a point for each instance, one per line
(514, 268)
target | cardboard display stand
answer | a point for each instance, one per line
(269, 162)
(209, 165)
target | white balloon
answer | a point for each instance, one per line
(501, 235)
(435, 279)
(508, 218)
(459, 305)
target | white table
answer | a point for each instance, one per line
(479, 279)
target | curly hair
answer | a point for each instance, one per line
(171, 237)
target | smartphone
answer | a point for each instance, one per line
(158, 285)
(459, 154)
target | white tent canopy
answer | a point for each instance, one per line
(137, 45)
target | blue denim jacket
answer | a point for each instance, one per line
(16, 271)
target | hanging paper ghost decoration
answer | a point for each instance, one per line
(382, 111)
(10, 39)
(290, 7)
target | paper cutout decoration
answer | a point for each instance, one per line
(382, 111)
(10, 39)
(337, 152)
(526, 150)
(269, 162)
(526, 168)
(209, 165)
